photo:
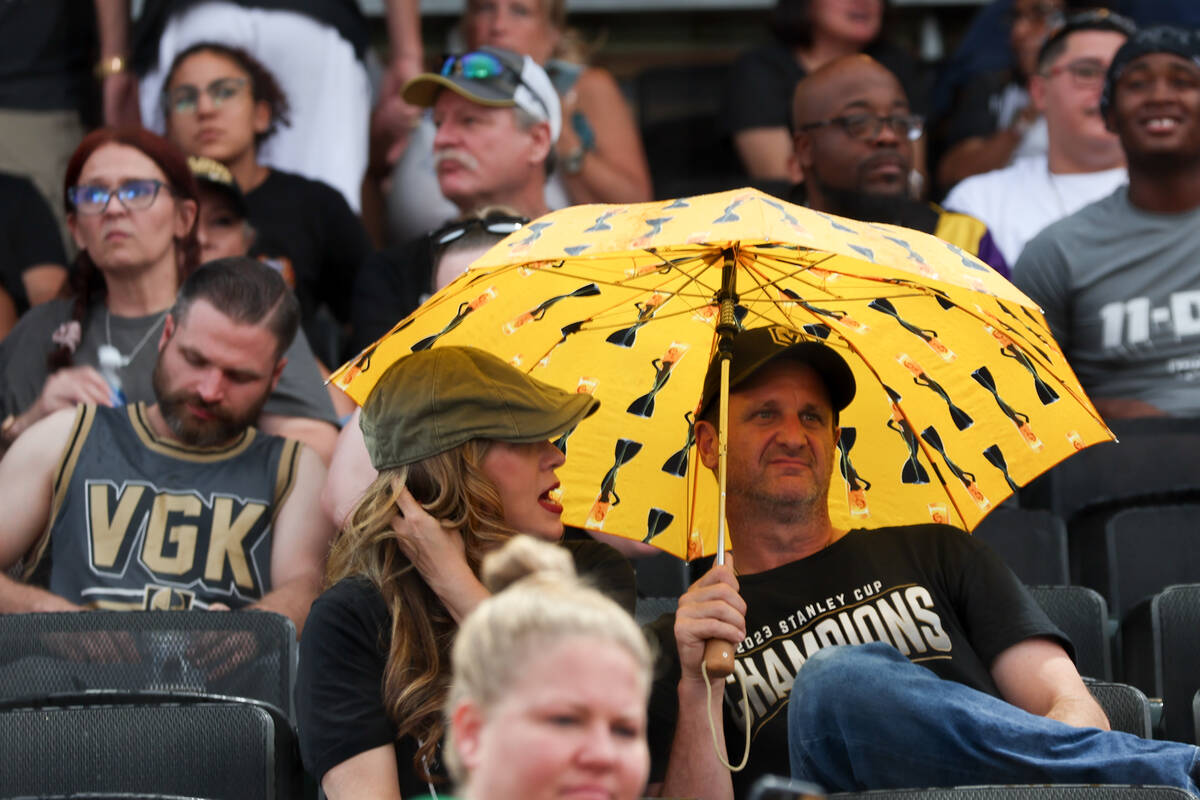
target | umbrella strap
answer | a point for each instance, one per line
(712, 724)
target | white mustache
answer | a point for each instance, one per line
(464, 158)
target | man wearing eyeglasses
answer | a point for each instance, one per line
(1119, 281)
(853, 148)
(1084, 161)
(497, 117)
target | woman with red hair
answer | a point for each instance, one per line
(131, 208)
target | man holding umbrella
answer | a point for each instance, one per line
(960, 677)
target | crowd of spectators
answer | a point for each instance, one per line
(216, 188)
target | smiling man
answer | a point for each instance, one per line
(1084, 160)
(180, 504)
(1119, 281)
(853, 148)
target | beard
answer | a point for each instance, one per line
(224, 426)
(778, 505)
(895, 208)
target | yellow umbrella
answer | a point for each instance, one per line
(963, 393)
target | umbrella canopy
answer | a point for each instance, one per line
(963, 395)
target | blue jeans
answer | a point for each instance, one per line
(865, 717)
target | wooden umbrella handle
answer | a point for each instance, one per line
(718, 658)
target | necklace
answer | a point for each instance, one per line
(112, 358)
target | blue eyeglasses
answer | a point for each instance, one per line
(133, 195)
(482, 66)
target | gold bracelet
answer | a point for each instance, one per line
(106, 67)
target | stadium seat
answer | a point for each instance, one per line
(247, 655)
(1082, 615)
(1161, 655)
(1156, 461)
(1127, 707)
(212, 748)
(1148, 548)
(1032, 541)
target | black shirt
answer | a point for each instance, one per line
(343, 654)
(28, 235)
(389, 286)
(47, 49)
(308, 231)
(938, 595)
(761, 83)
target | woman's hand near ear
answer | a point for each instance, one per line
(438, 554)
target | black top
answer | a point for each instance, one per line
(47, 49)
(28, 235)
(343, 15)
(940, 596)
(761, 83)
(976, 108)
(343, 653)
(390, 285)
(307, 229)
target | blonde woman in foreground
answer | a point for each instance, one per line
(550, 685)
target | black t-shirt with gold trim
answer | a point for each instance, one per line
(938, 595)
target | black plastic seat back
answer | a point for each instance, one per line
(1026, 792)
(249, 654)
(1032, 541)
(1127, 707)
(1149, 548)
(1082, 615)
(216, 748)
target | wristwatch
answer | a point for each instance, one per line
(573, 163)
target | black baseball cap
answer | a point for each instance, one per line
(213, 174)
(1180, 42)
(754, 348)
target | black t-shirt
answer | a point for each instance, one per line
(390, 285)
(47, 49)
(976, 108)
(761, 82)
(311, 234)
(28, 235)
(343, 653)
(940, 596)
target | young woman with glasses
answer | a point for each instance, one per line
(220, 102)
(132, 206)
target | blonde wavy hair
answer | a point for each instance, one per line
(452, 488)
(537, 601)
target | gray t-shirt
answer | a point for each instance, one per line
(1120, 288)
(23, 370)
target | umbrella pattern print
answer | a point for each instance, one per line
(963, 393)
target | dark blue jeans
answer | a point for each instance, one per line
(865, 717)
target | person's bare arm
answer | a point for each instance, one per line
(350, 473)
(765, 152)
(64, 389)
(1038, 676)
(8, 314)
(710, 609)
(119, 90)
(43, 282)
(616, 170)
(26, 492)
(371, 773)
(317, 434)
(299, 546)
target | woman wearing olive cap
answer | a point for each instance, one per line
(461, 443)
